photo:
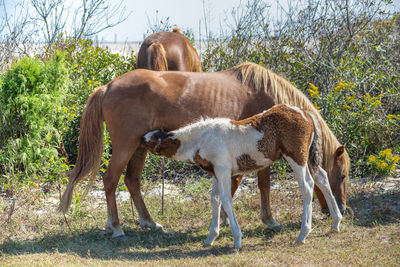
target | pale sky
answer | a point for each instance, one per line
(186, 14)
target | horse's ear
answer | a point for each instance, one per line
(339, 152)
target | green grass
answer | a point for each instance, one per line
(369, 236)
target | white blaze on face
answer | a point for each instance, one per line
(148, 136)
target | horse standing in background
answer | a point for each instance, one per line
(142, 100)
(164, 51)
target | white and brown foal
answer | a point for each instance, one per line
(226, 148)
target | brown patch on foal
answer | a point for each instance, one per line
(161, 143)
(285, 130)
(204, 163)
(246, 163)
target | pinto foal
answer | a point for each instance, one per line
(226, 148)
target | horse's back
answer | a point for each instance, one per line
(180, 54)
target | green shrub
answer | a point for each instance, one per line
(31, 97)
(89, 67)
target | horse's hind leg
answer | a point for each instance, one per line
(132, 181)
(111, 177)
(216, 208)
(235, 182)
(223, 176)
(264, 184)
(321, 180)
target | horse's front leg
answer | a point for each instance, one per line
(223, 176)
(216, 208)
(132, 181)
(321, 180)
(264, 184)
(306, 184)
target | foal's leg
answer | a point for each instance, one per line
(132, 181)
(321, 180)
(306, 184)
(216, 207)
(118, 161)
(235, 182)
(223, 176)
(264, 184)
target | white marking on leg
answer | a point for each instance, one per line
(223, 175)
(116, 231)
(306, 185)
(216, 209)
(323, 183)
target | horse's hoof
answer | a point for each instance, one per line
(273, 226)
(121, 239)
(325, 211)
(335, 230)
(159, 228)
(225, 223)
(299, 243)
(206, 245)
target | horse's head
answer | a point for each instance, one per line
(161, 143)
(338, 176)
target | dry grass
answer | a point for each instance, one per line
(40, 237)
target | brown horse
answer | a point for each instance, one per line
(142, 100)
(168, 51)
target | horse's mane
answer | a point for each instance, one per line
(262, 79)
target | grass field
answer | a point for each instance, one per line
(33, 233)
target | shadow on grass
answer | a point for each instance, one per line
(375, 208)
(139, 244)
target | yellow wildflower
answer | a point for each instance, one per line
(371, 158)
(343, 85)
(316, 106)
(381, 164)
(351, 98)
(395, 159)
(313, 91)
(376, 103)
(390, 117)
(392, 167)
(385, 153)
(346, 107)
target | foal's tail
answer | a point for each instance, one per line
(316, 152)
(156, 57)
(90, 145)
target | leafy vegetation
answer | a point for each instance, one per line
(343, 54)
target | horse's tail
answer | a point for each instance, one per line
(316, 152)
(157, 57)
(90, 145)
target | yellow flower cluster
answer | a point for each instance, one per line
(392, 117)
(385, 160)
(373, 101)
(343, 86)
(313, 91)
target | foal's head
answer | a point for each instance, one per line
(161, 143)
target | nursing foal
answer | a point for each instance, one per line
(226, 148)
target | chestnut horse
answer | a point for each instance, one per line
(226, 148)
(168, 51)
(141, 100)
